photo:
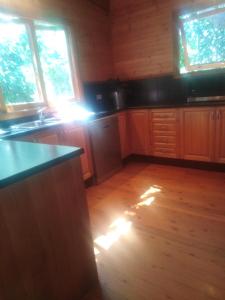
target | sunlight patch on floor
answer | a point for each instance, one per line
(118, 228)
(146, 202)
(122, 226)
(150, 191)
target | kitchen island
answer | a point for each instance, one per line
(46, 249)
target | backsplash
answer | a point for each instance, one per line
(165, 90)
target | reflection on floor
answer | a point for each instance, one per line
(159, 233)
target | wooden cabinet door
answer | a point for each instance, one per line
(48, 138)
(76, 136)
(197, 133)
(220, 135)
(124, 137)
(139, 131)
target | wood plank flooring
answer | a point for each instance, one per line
(159, 233)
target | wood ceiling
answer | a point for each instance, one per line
(105, 4)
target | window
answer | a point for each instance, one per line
(201, 36)
(35, 63)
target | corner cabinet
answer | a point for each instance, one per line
(197, 133)
(139, 131)
(220, 135)
(68, 135)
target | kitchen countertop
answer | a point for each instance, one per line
(21, 132)
(180, 105)
(19, 160)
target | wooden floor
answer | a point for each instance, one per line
(160, 233)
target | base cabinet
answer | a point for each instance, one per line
(164, 132)
(47, 251)
(124, 134)
(197, 133)
(75, 135)
(139, 131)
(220, 135)
(68, 135)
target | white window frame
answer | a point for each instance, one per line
(198, 67)
(40, 84)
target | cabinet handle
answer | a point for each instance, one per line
(213, 115)
(218, 115)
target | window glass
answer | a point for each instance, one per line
(55, 63)
(202, 40)
(17, 74)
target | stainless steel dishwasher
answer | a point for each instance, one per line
(105, 143)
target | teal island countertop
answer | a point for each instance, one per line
(19, 160)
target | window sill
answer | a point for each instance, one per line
(4, 116)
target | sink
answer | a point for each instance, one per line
(35, 124)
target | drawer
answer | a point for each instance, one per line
(163, 133)
(164, 139)
(169, 146)
(163, 121)
(164, 115)
(165, 153)
(164, 148)
(164, 127)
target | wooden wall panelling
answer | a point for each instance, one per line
(142, 36)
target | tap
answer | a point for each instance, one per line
(41, 115)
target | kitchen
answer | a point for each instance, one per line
(148, 125)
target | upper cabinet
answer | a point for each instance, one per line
(220, 135)
(164, 132)
(139, 131)
(197, 133)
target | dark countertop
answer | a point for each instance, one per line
(180, 105)
(98, 115)
(19, 160)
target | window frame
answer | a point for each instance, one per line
(39, 78)
(218, 67)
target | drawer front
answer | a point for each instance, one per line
(164, 127)
(164, 139)
(164, 133)
(164, 115)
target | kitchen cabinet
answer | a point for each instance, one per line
(76, 135)
(47, 251)
(197, 133)
(164, 132)
(220, 135)
(139, 131)
(124, 134)
(68, 135)
(49, 136)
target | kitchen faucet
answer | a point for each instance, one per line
(41, 114)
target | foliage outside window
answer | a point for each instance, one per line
(202, 39)
(35, 63)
